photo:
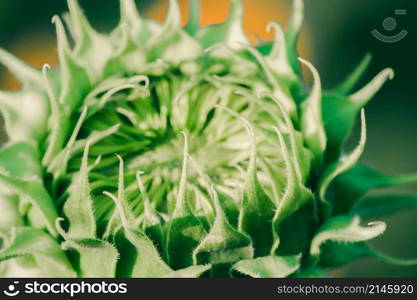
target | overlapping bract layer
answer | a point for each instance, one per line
(223, 162)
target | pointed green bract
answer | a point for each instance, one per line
(269, 266)
(49, 257)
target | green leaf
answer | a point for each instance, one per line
(344, 164)
(146, 261)
(340, 111)
(25, 115)
(269, 266)
(230, 32)
(336, 254)
(172, 44)
(293, 32)
(223, 244)
(349, 84)
(74, 85)
(295, 217)
(79, 206)
(21, 160)
(92, 50)
(36, 194)
(351, 186)
(140, 29)
(277, 58)
(94, 258)
(376, 206)
(129, 57)
(344, 229)
(257, 209)
(312, 125)
(10, 215)
(184, 231)
(29, 241)
(190, 272)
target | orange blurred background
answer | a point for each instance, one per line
(257, 14)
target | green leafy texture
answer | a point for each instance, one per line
(351, 186)
(74, 84)
(296, 211)
(93, 258)
(229, 32)
(36, 194)
(11, 217)
(340, 110)
(256, 208)
(79, 207)
(293, 32)
(59, 165)
(351, 81)
(344, 229)
(88, 43)
(343, 165)
(147, 262)
(181, 46)
(140, 28)
(336, 254)
(375, 206)
(311, 117)
(223, 244)
(25, 112)
(190, 272)
(21, 160)
(184, 231)
(268, 266)
(27, 241)
(277, 59)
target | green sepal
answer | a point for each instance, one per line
(344, 164)
(293, 32)
(11, 216)
(29, 241)
(268, 266)
(172, 44)
(381, 205)
(184, 231)
(92, 50)
(336, 254)
(230, 32)
(35, 192)
(344, 229)
(21, 160)
(79, 206)
(312, 124)
(94, 258)
(25, 115)
(352, 80)
(223, 244)
(351, 186)
(340, 112)
(296, 211)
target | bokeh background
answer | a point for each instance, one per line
(336, 35)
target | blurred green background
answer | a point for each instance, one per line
(336, 35)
